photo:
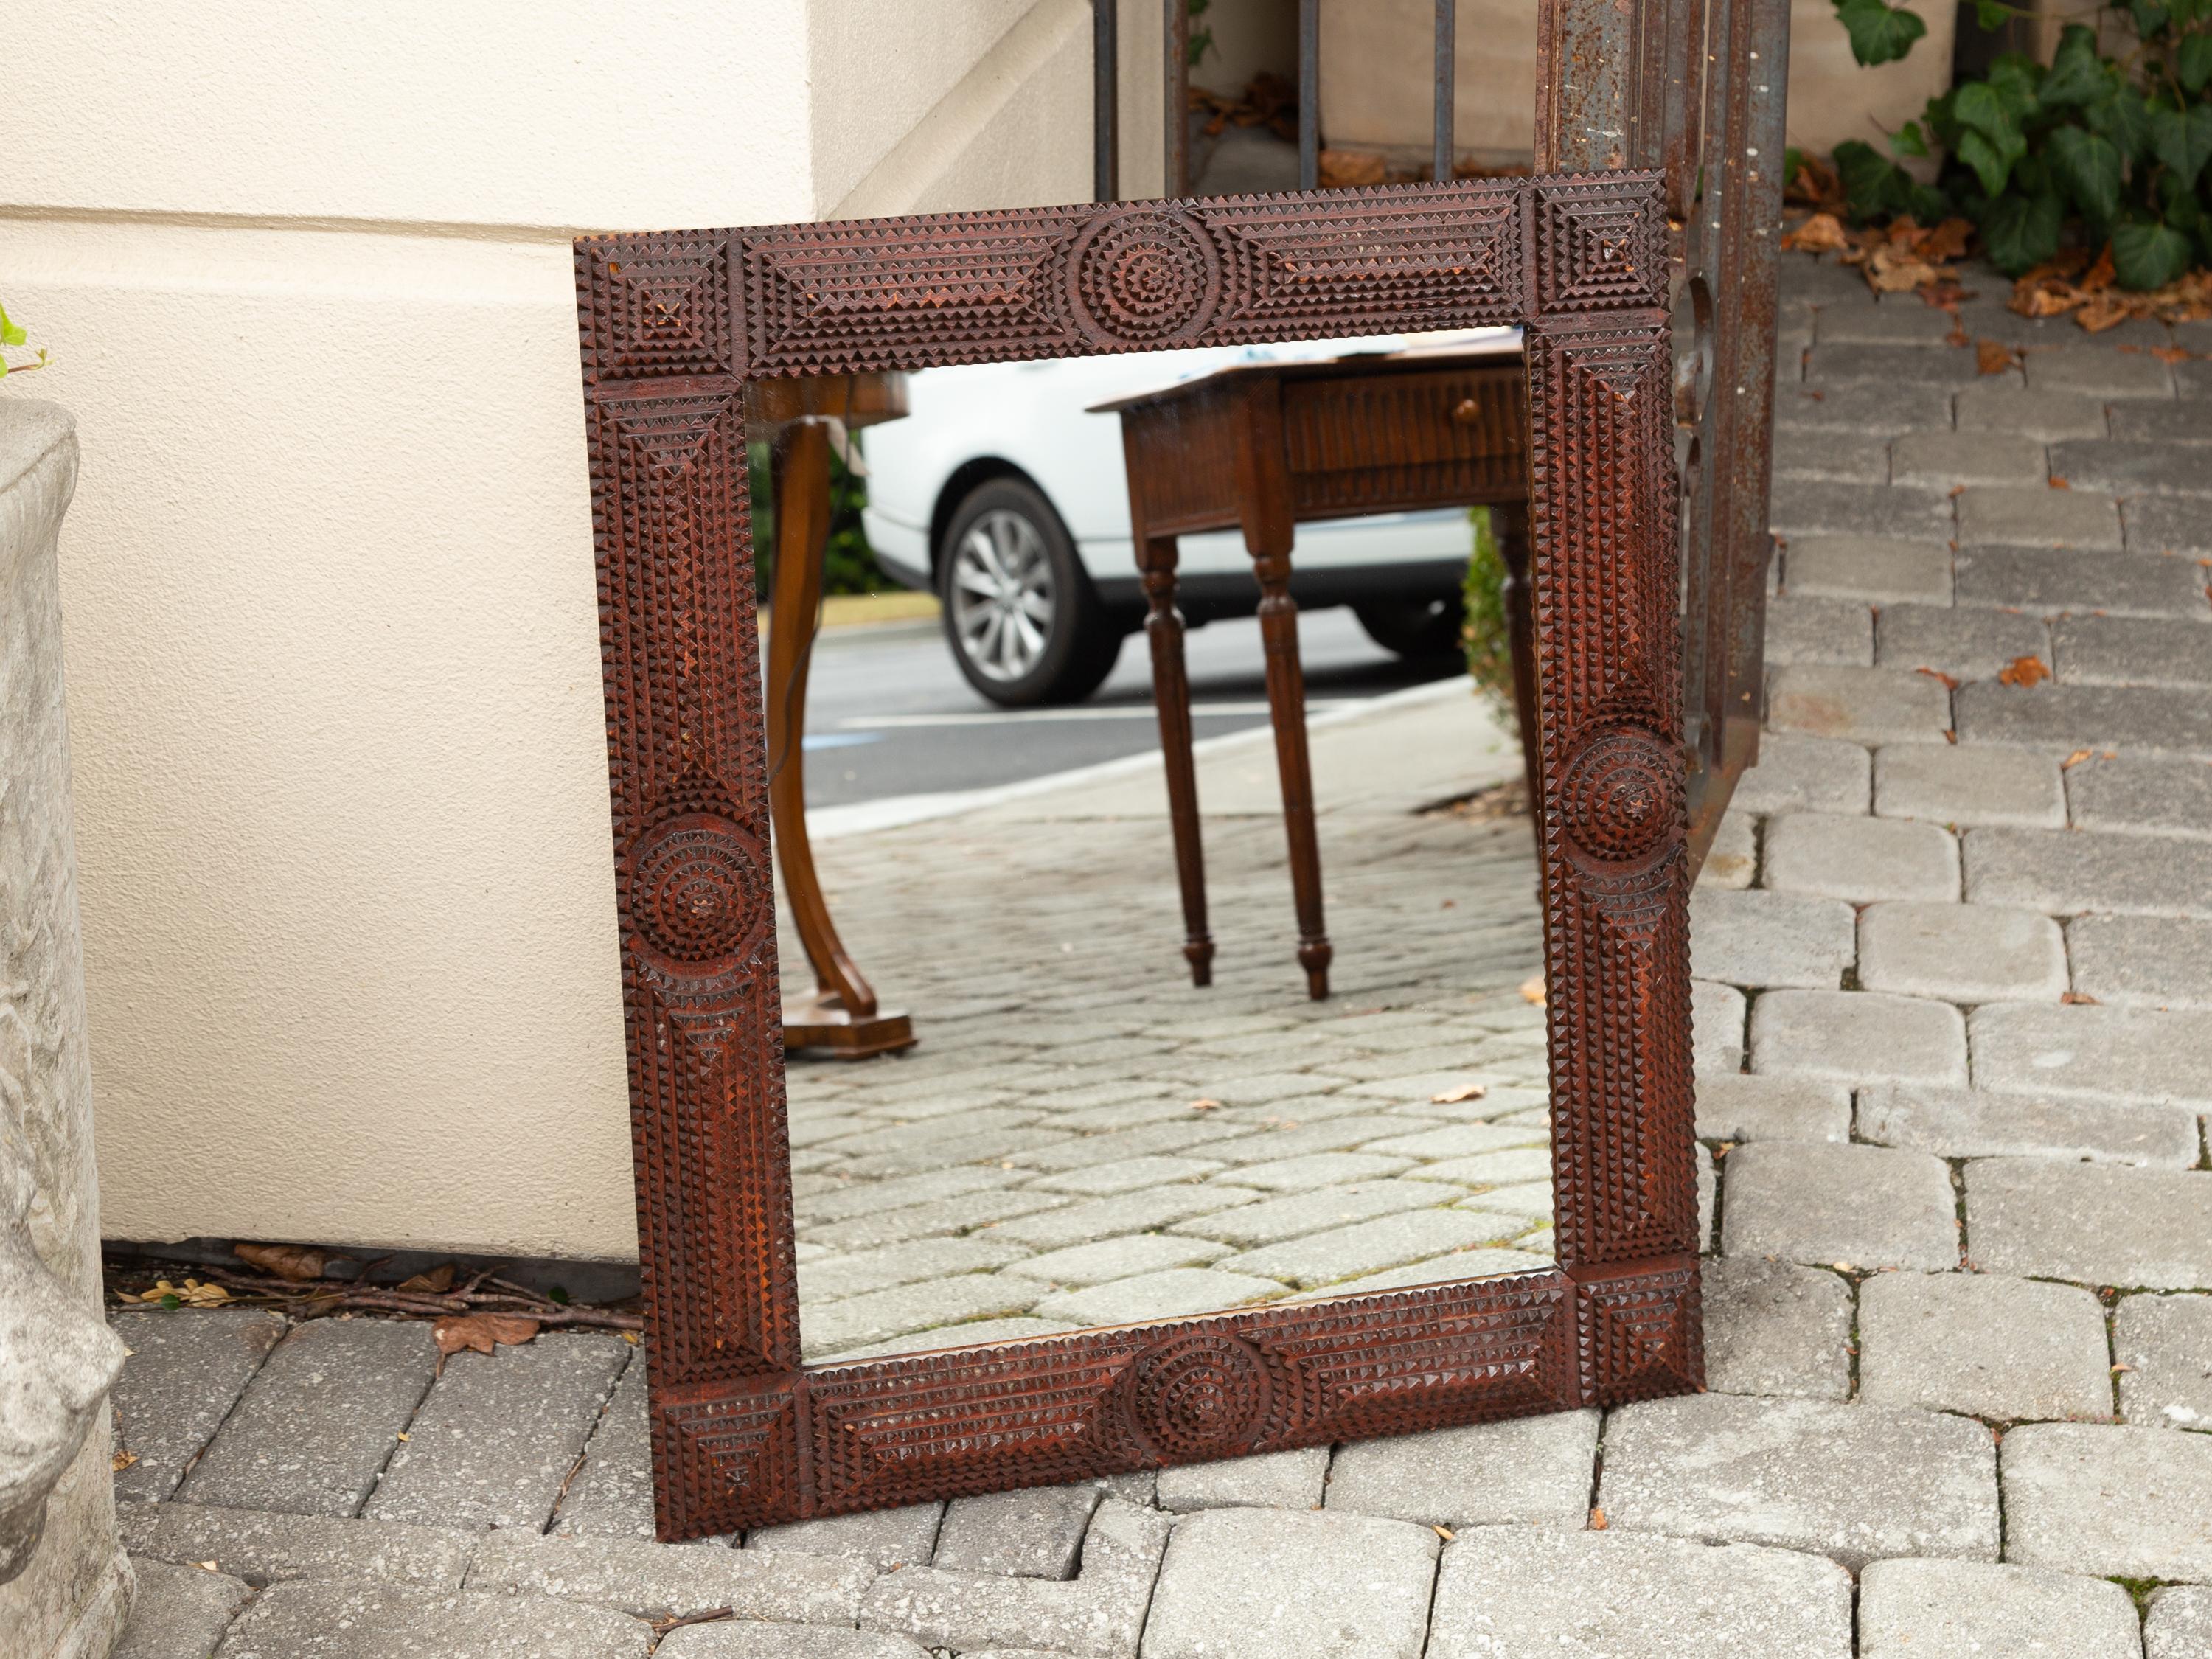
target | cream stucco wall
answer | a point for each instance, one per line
(341, 816)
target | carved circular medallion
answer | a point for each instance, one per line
(1622, 793)
(699, 889)
(1198, 1396)
(1145, 275)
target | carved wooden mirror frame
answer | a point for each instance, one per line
(674, 327)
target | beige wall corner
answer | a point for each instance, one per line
(339, 752)
(1832, 97)
(1010, 126)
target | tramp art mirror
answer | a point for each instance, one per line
(679, 330)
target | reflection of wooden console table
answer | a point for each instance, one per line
(1261, 447)
(795, 416)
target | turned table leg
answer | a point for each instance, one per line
(1163, 631)
(843, 1015)
(1286, 711)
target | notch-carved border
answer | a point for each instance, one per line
(674, 326)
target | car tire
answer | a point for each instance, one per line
(1024, 623)
(1412, 628)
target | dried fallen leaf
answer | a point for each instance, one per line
(1948, 240)
(632, 1338)
(296, 1262)
(1442, 1532)
(1949, 682)
(2117, 1369)
(2169, 354)
(2059, 483)
(121, 1461)
(2079, 999)
(2023, 671)
(482, 1332)
(191, 1293)
(1598, 1522)
(1992, 356)
(1532, 990)
(437, 1281)
(1465, 1091)
(1205, 1105)
(1958, 337)
(1821, 233)
(2074, 760)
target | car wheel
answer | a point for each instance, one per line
(1024, 623)
(1414, 628)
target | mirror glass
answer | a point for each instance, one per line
(1079, 1135)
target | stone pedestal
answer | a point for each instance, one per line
(65, 1583)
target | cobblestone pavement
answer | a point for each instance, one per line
(1954, 1059)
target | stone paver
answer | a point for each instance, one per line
(2118, 1502)
(2049, 416)
(1799, 773)
(1910, 1609)
(1867, 568)
(2131, 650)
(1169, 1294)
(1762, 938)
(1968, 953)
(187, 1369)
(727, 1639)
(1775, 1329)
(317, 1424)
(332, 1620)
(656, 1579)
(610, 1494)
(2010, 1349)
(2165, 1343)
(2095, 1224)
(1105, 1259)
(1820, 630)
(1971, 1123)
(1271, 1223)
(1866, 1206)
(2176, 719)
(2065, 872)
(1971, 456)
(2180, 1623)
(1369, 1247)
(262, 1548)
(884, 1539)
(2156, 962)
(1855, 1036)
(1101, 1612)
(1519, 1593)
(1964, 642)
(1869, 705)
(2142, 796)
(1746, 1106)
(2098, 373)
(1861, 859)
(1322, 1584)
(1034, 1532)
(179, 1612)
(1282, 1480)
(1858, 1483)
(2000, 515)
(500, 1432)
(2044, 580)
(2135, 1054)
(1961, 786)
(1533, 1469)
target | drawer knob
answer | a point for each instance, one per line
(1468, 413)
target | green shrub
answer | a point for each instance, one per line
(12, 334)
(1486, 635)
(2118, 145)
(848, 563)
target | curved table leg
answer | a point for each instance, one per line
(1163, 631)
(842, 1016)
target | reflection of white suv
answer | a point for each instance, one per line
(1001, 495)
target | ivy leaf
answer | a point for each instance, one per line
(1908, 140)
(1880, 32)
(1978, 105)
(1874, 186)
(2148, 255)
(1991, 165)
(2016, 80)
(2123, 116)
(2022, 232)
(2183, 140)
(2193, 64)
(2088, 165)
(1991, 14)
(11, 332)
(2149, 16)
(2077, 74)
